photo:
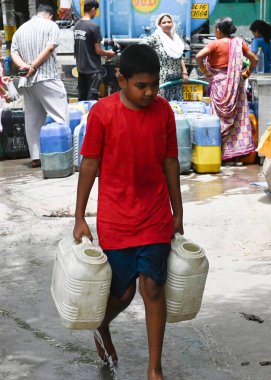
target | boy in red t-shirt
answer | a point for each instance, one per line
(131, 139)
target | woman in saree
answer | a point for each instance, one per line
(223, 69)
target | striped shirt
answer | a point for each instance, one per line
(29, 41)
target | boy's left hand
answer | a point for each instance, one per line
(178, 225)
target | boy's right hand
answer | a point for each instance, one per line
(81, 229)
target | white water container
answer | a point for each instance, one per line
(186, 276)
(81, 284)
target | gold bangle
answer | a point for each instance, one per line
(247, 73)
(203, 69)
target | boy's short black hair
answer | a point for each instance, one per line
(137, 59)
(89, 4)
(45, 8)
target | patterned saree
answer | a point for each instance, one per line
(229, 103)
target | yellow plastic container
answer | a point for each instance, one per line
(206, 159)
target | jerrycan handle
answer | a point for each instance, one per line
(89, 254)
(178, 237)
(86, 240)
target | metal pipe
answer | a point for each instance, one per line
(102, 13)
(188, 24)
(8, 21)
(108, 8)
(124, 41)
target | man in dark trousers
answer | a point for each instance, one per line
(88, 52)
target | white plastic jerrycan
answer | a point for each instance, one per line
(186, 277)
(81, 284)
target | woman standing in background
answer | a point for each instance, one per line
(169, 48)
(224, 60)
(261, 31)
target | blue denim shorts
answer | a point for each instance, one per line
(128, 263)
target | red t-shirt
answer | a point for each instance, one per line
(219, 56)
(133, 201)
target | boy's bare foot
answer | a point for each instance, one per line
(155, 375)
(104, 345)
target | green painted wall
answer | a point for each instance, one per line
(243, 14)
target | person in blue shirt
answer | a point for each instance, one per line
(261, 31)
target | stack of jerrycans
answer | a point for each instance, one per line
(206, 143)
(79, 134)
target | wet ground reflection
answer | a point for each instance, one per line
(195, 187)
(231, 180)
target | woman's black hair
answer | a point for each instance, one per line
(137, 59)
(225, 25)
(263, 28)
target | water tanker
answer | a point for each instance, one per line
(136, 18)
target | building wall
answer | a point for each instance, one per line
(242, 13)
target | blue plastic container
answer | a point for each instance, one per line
(7, 65)
(206, 130)
(78, 137)
(184, 143)
(75, 116)
(206, 143)
(49, 120)
(87, 104)
(193, 107)
(55, 138)
(56, 150)
(57, 165)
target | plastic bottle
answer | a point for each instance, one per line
(260, 64)
(186, 276)
(80, 284)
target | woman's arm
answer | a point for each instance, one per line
(184, 70)
(253, 60)
(202, 54)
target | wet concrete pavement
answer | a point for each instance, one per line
(224, 213)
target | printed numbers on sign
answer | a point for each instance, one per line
(200, 10)
(192, 92)
(190, 96)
